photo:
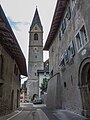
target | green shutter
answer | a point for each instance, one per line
(68, 13)
(59, 35)
(63, 26)
(66, 56)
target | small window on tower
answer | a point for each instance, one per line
(35, 28)
(65, 85)
(35, 56)
(35, 74)
(35, 36)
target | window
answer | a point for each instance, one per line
(52, 49)
(52, 73)
(35, 74)
(71, 79)
(73, 3)
(66, 56)
(83, 35)
(1, 89)
(15, 70)
(71, 50)
(35, 56)
(63, 26)
(35, 65)
(35, 36)
(35, 48)
(65, 84)
(68, 16)
(62, 63)
(81, 38)
(1, 66)
(65, 21)
(35, 28)
(79, 42)
(59, 35)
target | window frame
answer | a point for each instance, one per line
(78, 47)
(84, 36)
(1, 69)
(83, 45)
(71, 49)
(35, 36)
(1, 90)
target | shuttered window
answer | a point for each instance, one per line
(68, 16)
(63, 26)
(81, 38)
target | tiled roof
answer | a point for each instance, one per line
(36, 20)
(58, 15)
(10, 44)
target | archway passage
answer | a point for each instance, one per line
(85, 88)
(34, 96)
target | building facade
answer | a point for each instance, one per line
(12, 65)
(23, 92)
(43, 77)
(71, 45)
(35, 58)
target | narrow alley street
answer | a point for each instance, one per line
(40, 112)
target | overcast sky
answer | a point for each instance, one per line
(20, 14)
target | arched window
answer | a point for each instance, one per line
(35, 36)
(1, 66)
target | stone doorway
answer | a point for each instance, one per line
(85, 88)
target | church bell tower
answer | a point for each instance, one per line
(35, 56)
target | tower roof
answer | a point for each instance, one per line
(36, 20)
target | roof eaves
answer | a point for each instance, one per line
(9, 42)
(58, 15)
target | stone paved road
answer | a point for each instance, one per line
(49, 113)
(68, 115)
(25, 114)
(40, 112)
